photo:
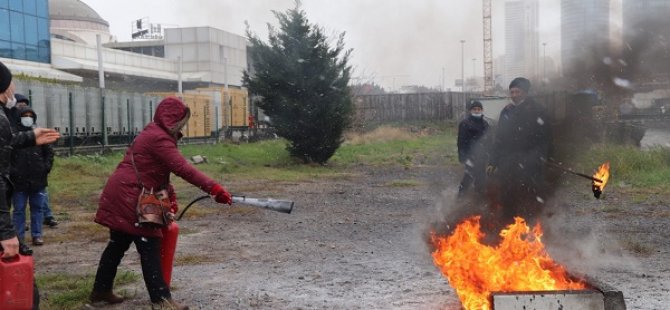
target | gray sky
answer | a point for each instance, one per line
(395, 42)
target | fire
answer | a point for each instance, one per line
(518, 263)
(602, 174)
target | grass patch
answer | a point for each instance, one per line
(67, 291)
(192, 259)
(396, 146)
(645, 170)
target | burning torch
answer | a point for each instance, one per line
(598, 179)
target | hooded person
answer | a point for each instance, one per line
(47, 214)
(148, 163)
(29, 173)
(520, 146)
(472, 148)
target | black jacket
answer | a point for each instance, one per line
(8, 141)
(31, 166)
(523, 136)
(471, 137)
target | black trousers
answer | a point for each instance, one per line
(474, 173)
(149, 249)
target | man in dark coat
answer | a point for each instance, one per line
(9, 139)
(520, 148)
(472, 148)
(30, 168)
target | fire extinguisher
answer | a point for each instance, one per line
(169, 241)
(168, 248)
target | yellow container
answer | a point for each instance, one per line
(201, 106)
(234, 107)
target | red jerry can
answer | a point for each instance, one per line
(168, 247)
(16, 283)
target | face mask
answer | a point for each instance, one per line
(27, 121)
(11, 102)
(477, 115)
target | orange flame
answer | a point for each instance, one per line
(518, 263)
(602, 174)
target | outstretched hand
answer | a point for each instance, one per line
(45, 135)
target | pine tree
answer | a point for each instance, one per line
(301, 83)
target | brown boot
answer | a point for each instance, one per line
(108, 297)
(168, 304)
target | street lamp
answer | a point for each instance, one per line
(474, 76)
(462, 66)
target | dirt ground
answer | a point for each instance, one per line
(357, 242)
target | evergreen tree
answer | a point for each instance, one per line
(302, 85)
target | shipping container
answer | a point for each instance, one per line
(200, 123)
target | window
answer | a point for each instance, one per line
(29, 7)
(16, 5)
(5, 49)
(4, 25)
(18, 51)
(17, 29)
(31, 30)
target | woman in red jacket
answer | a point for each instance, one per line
(155, 155)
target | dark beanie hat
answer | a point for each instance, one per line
(5, 78)
(475, 104)
(522, 83)
(21, 98)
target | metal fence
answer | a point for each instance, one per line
(88, 116)
(376, 109)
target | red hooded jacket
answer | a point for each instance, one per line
(156, 156)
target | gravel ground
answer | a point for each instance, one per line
(358, 242)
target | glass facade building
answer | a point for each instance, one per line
(24, 30)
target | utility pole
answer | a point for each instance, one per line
(462, 66)
(488, 47)
(474, 75)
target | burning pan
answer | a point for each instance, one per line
(597, 298)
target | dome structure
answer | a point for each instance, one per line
(74, 10)
(74, 20)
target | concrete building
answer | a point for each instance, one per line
(584, 29)
(521, 39)
(57, 39)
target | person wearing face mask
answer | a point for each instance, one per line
(520, 147)
(472, 131)
(49, 220)
(29, 172)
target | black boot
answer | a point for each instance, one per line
(50, 221)
(24, 249)
(108, 297)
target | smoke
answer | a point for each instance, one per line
(582, 242)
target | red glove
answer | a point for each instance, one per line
(221, 195)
